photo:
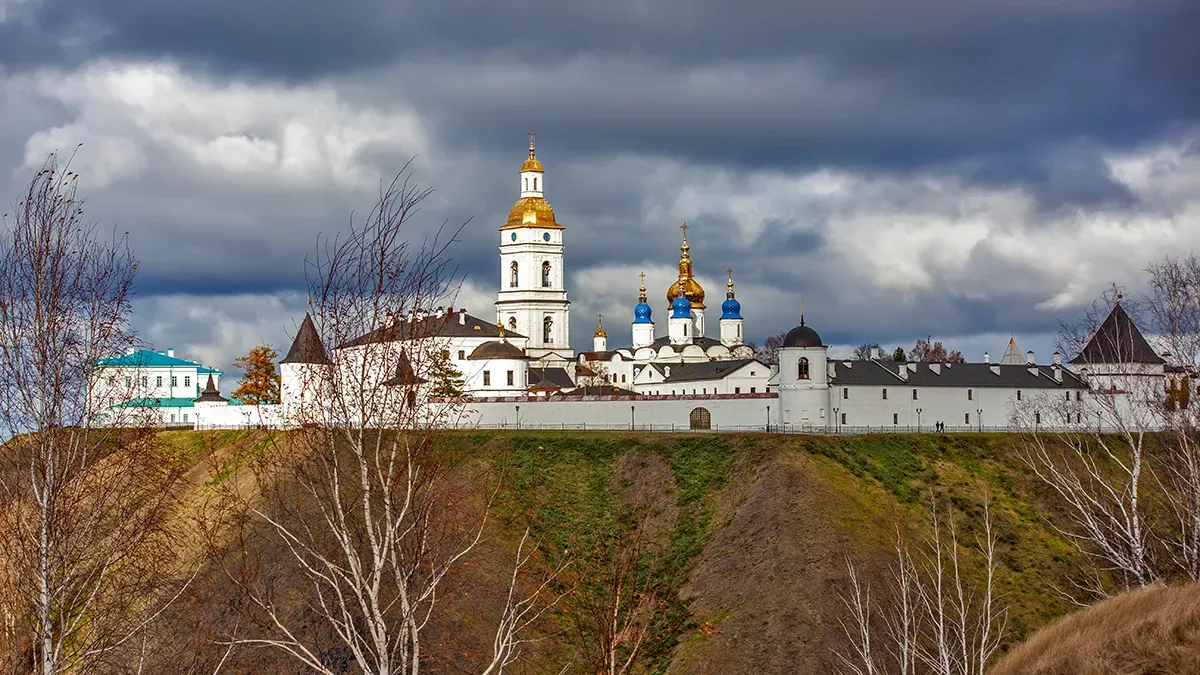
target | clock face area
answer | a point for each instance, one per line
(546, 236)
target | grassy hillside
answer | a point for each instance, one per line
(752, 532)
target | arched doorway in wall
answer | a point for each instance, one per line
(700, 419)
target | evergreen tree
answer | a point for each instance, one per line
(259, 383)
(899, 354)
(447, 380)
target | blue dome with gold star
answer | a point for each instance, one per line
(641, 313)
(731, 309)
(681, 308)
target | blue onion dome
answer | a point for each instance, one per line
(681, 308)
(731, 309)
(641, 313)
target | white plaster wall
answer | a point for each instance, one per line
(742, 411)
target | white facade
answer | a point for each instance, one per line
(532, 299)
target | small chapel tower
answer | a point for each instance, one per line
(643, 323)
(731, 316)
(533, 299)
(600, 337)
(679, 326)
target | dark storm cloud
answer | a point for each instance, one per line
(945, 81)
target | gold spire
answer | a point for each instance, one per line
(802, 310)
(500, 325)
(532, 164)
(686, 282)
(729, 284)
(642, 289)
(600, 327)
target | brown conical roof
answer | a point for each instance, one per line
(1117, 340)
(211, 393)
(307, 347)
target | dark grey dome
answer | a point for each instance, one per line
(496, 349)
(802, 336)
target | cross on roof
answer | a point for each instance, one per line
(643, 276)
(531, 137)
(684, 227)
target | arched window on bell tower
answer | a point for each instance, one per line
(547, 324)
(512, 323)
(803, 369)
(512, 274)
(546, 274)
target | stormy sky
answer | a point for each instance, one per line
(964, 170)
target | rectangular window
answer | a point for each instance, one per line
(487, 378)
(737, 390)
(1077, 396)
(462, 355)
(172, 419)
(187, 380)
(622, 378)
(895, 418)
(129, 382)
(752, 373)
(753, 390)
(845, 392)
(184, 417)
(1068, 396)
(970, 395)
(885, 394)
(914, 394)
(445, 353)
(174, 381)
(510, 378)
(143, 380)
(1018, 394)
(966, 418)
(843, 418)
(158, 381)
(1037, 417)
(1078, 418)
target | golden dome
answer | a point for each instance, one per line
(691, 288)
(600, 327)
(532, 164)
(531, 212)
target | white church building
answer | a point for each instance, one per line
(519, 370)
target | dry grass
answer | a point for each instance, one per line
(1143, 632)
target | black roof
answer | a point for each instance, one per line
(801, 336)
(708, 370)
(979, 375)
(433, 325)
(549, 378)
(210, 393)
(307, 347)
(1117, 341)
(496, 349)
(598, 390)
(405, 376)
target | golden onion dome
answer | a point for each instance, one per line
(532, 164)
(600, 327)
(691, 288)
(531, 212)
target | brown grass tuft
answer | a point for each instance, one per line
(1149, 631)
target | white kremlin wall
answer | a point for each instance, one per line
(661, 412)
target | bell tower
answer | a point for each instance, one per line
(533, 299)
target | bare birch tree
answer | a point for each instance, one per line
(85, 545)
(935, 615)
(371, 503)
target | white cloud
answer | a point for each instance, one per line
(298, 136)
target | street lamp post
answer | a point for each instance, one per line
(768, 419)
(918, 420)
(518, 417)
(979, 418)
(631, 418)
(837, 422)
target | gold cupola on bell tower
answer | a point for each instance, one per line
(691, 288)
